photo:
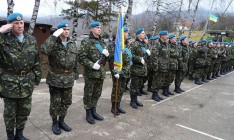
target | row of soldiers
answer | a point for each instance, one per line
(160, 60)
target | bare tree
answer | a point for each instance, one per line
(10, 7)
(34, 17)
(156, 16)
(194, 15)
(129, 12)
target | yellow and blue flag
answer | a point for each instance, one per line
(213, 18)
(119, 44)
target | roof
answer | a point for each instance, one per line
(228, 33)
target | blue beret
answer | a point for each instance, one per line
(125, 28)
(163, 32)
(209, 41)
(94, 24)
(214, 42)
(62, 24)
(203, 41)
(182, 38)
(139, 30)
(14, 16)
(154, 38)
(178, 43)
(172, 36)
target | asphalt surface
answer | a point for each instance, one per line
(204, 112)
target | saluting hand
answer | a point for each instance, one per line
(58, 32)
(6, 27)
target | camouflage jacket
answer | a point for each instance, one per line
(153, 60)
(185, 57)
(193, 53)
(17, 57)
(89, 55)
(125, 58)
(175, 55)
(137, 68)
(61, 59)
(163, 56)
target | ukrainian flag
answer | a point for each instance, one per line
(119, 44)
(213, 18)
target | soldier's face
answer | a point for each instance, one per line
(125, 35)
(164, 38)
(96, 30)
(185, 41)
(173, 40)
(18, 27)
(141, 36)
(65, 33)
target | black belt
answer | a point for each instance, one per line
(19, 73)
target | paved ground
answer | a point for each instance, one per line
(203, 112)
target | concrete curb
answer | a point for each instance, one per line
(80, 76)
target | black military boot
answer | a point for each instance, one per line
(209, 77)
(55, 127)
(19, 135)
(217, 74)
(137, 102)
(95, 115)
(154, 96)
(198, 81)
(89, 117)
(63, 125)
(181, 90)
(113, 109)
(133, 102)
(214, 76)
(177, 89)
(120, 109)
(143, 92)
(165, 93)
(204, 80)
(10, 135)
(191, 77)
(168, 91)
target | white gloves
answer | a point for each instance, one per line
(116, 76)
(74, 82)
(58, 32)
(148, 52)
(142, 61)
(105, 52)
(6, 27)
(96, 66)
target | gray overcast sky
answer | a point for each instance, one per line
(46, 8)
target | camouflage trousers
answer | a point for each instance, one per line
(211, 68)
(199, 73)
(121, 88)
(172, 75)
(217, 67)
(136, 84)
(179, 77)
(16, 112)
(150, 75)
(60, 100)
(160, 79)
(191, 67)
(92, 92)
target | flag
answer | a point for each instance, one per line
(119, 44)
(213, 18)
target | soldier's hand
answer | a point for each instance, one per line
(105, 52)
(74, 82)
(142, 61)
(96, 66)
(148, 52)
(58, 32)
(116, 76)
(5, 28)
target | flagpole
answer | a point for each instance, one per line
(116, 95)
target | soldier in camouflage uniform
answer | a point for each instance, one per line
(211, 56)
(129, 43)
(150, 67)
(122, 76)
(182, 64)
(20, 70)
(200, 62)
(192, 59)
(223, 55)
(63, 70)
(138, 69)
(175, 55)
(162, 75)
(93, 56)
(215, 60)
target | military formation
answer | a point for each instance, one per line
(158, 61)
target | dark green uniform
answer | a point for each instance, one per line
(192, 61)
(19, 71)
(88, 55)
(63, 63)
(200, 64)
